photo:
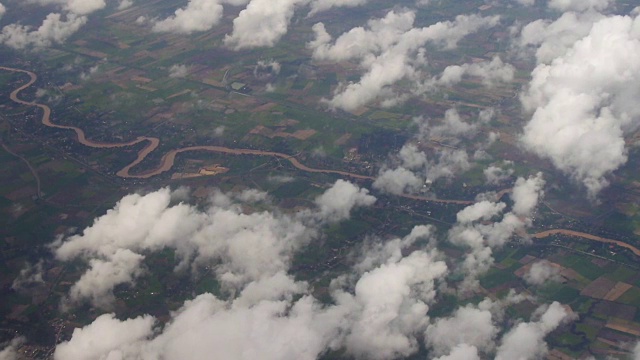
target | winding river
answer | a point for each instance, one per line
(168, 159)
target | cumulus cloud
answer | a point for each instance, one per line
(578, 5)
(388, 50)
(461, 352)
(198, 15)
(29, 277)
(178, 71)
(469, 326)
(526, 194)
(10, 350)
(3, 10)
(245, 247)
(392, 302)
(582, 103)
(337, 202)
(411, 169)
(324, 5)
(541, 272)
(261, 24)
(78, 7)
(106, 338)
(489, 72)
(379, 317)
(495, 175)
(552, 39)
(526, 340)
(471, 231)
(397, 181)
(55, 29)
(125, 4)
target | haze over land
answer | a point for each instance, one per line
(319, 179)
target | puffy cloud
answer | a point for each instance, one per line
(337, 202)
(273, 318)
(78, 7)
(388, 50)
(483, 210)
(178, 71)
(410, 169)
(583, 103)
(3, 10)
(389, 306)
(526, 340)
(125, 4)
(452, 126)
(53, 30)
(490, 72)
(397, 181)
(461, 352)
(10, 350)
(541, 272)
(495, 175)
(578, 5)
(30, 276)
(323, 5)
(245, 247)
(526, 194)
(106, 338)
(97, 282)
(479, 238)
(552, 39)
(198, 15)
(636, 351)
(261, 24)
(469, 326)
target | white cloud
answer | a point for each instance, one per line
(552, 39)
(578, 5)
(495, 175)
(462, 352)
(397, 181)
(526, 194)
(10, 350)
(490, 72)
(30, 276)
(198, 15)
(389, 306)
(125, 4)
(541, 272)
(583, 103)
(261, 24)
(337, 202)
(480, 238)
(3, 10)
(178, 71)
(388, 50)
(244, 247)
(53, 30)
(106, 338)
(468, 325)
(78, 7)
(526, 340)
(274, 318)
(324, 5)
